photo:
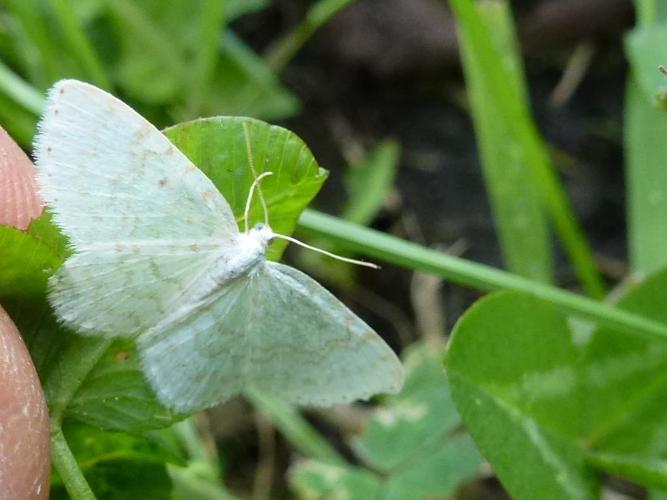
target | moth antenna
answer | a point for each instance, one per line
(246, 133)
(255, 184)
(328, 254)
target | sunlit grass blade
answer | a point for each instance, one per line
(521, 220)
(645, 145)
(20, 106)
(19, 91)
(646, 171)
(515, 116)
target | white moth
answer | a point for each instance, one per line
(158, 256)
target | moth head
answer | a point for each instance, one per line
(263, 232)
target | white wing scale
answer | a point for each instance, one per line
(109, 175)
(122, 289)
(119, 190)
(277, 330)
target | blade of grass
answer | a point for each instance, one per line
(295, 428)
(281, 52)
(368, 183)
(36, 30)
(60, 385)
(211, 24)
(647, 12)
(520, 218)
(515, 114)
(646, 154)
(378, 245)
(18, 122)
(19, 91)
(78, 43)
(645, 145)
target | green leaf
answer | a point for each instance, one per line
(513, 370)
(626, 383)
(19, 122)
(416, 418)
(436, 474)
(217, 147)
(118, 466)
(25, 263)
(657, 495)
(369, 183)
(115, 395)
(44, 230)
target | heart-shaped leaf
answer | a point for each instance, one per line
(513, 369)
(218, 147)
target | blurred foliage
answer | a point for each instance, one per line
(169, 70)
(411, 447)
(550, 400)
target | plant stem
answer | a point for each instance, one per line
(647, 12)
(284, 49)
(406, 254)
(67, 468)
(60, 386)
(72, 369)
(294, 427)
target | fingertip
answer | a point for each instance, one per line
(24, 421)
(19, 202)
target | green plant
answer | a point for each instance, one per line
(556, 388)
